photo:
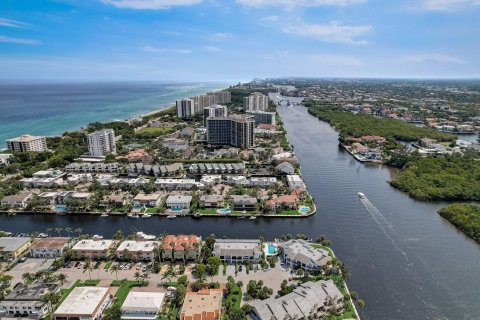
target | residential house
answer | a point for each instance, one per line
(212, 201)
(179, 201)
(286, 168)
(52, 247)
(143, 305)
(17, 200)
(205, 304)
(148, 200)
(301, 253)
(13, 247)
(139, 250)
(93, 248)
(244, 202)
(181, 247)
(84, 303)
(238, 250)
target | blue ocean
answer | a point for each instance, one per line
(53, 108)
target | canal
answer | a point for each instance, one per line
(405, 261)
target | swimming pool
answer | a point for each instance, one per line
(60, 209)
(224, 210)
(304, 210)
(176, 210)
(272, 249)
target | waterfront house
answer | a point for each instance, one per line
(179, 201)
(310, 300)
(93, 248)
(138, 155)
(114, 200)
(205, 304)
(287, 200)
(17, 200)
(212, 201)
(52, 247)
(27, 301)
(237, 250)
(244, 202)
(49, 197)
(13, 247)
(294, 181)
(147, 200)
(143, 305)
(285, 168)
(263, 181)
(139, 250)
(178, 184)
(85, 303)
(180, 247)
(301, 253)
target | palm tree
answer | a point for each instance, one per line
(62, 278)
(184, 246)
(49, 232)
(26, 277)
(59, 231)
(145, 276)
(137, 276)
(115, 268)
(68, 230)
(88, 267)
(51, 298)
(79, 231)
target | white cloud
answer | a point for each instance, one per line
(12, 23)
(18, 40)
(332, 32)
(149, 4)
(297, 3)
(152, 49)
(211, 48)
(435, 58)
(270, 19)
(442, 5)
(219, 36)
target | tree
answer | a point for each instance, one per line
(361, 303)
(27, 277)
(88, 267)
(114, 269)
(145, 277)
(51, 298)
(137, 276)
(113, 313)
(79, 231)
(4, 284)
(198, 284)
(199, 271)
(213, 263)
(127, 255)
(59, 231)
(247, 308)
(62, 278)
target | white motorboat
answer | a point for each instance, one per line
(104, 215)
(171, 217)
(146, 216)
(253, 218)
(133, 215)
(361, 195)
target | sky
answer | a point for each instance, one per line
(238, 40)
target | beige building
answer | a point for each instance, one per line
(48, 247)
(181, 247)
(202, 305)
(84, 303)
(93, 249)
(28, 143)
(17, 200)
(140, 250)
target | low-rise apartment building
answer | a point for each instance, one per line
(17, 200)
(181, 247)
(244, 202)
(139, 250)
(148, 200)
(93, 248)
(294, 181)
(238, 250)
(179, 201)
(300, 253)
(84, 303)
(48, 247)
(202, 305)
(142, 305)
(13, 247)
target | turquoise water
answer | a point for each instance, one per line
(53, 108)
(176, 210)
(272, 249)
(60, 209)
(224, 210)
(304, 210)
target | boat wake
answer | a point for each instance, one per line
(383, 223)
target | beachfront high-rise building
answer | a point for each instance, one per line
(27, 143)
(255, 102)
(222, 96)
(213, 111)
(236, 130)
(263, 117)
(101, 143)
(185, 108)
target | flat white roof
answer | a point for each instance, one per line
(136, 246)
(143, 301)
(93, 244)
(82, 301)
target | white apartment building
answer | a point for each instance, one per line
(92, 249)
(179, 202)
(255, 102)
(140, 250)
(142, 305)
(84, 303)
(28, 143)
(294, 181)
(5, 158)
(185, 108)
(101, 143)
(213, 111)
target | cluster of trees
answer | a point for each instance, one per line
(465, 217)
(452, 178)
(256, 290)
(356, 125)
(231, 303)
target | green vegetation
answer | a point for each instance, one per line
(108, 265)
(153, 132)
(232, 300)
(451, 178)
(356, 125)
(289, 213)
(125, 287)
(465, 217)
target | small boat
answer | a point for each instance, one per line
(171, 217)
(146, 216)
(361, 195)
(240, 217)
(104, 215)
(197, 215)
(253, 218)
(133, 215)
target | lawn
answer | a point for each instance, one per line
(289, 213)
(151, 210)
(122, 292)
(153, 132)
(318, 245)
(207, 211)
(243, 213)
(108, 265)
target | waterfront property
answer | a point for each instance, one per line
(17, 200)
(237, 250)
(13, 247)
(294, 181)
(137, 250)
(310, 300)
(181, 247)
(244, 202)
(205, 304)
(48, 247)
(178, 202)
(28, 143)
(101, 143)
(142, 305)
(93, 248)
(147, 200)
(212, 201)
(300, 253)
(27, 301)
(86, 303)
